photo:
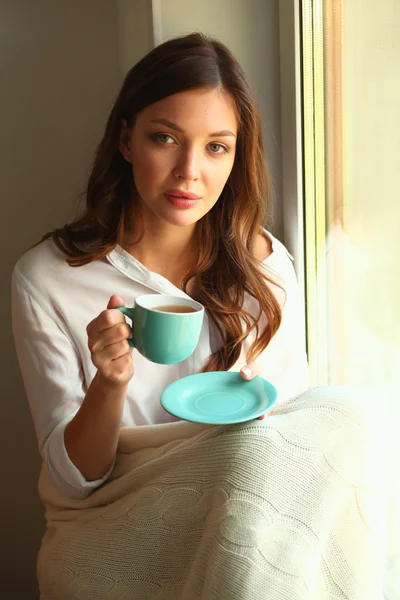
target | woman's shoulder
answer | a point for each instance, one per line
(269, 248)
(42, 262)
(276, 260)
(43, 255)
(263, 246)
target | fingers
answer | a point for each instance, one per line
(115, 301)
(111, 353)
(106, 319)
(99, 340)
(267, 414)
(250, 371)
(118, 371)
(108, 343)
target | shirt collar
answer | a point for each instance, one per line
(132, 268)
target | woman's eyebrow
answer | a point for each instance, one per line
(172, 125)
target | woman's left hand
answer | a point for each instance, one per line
(250, 371)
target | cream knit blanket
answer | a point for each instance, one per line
(289, 508)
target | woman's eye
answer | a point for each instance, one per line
(167, 140)
(162, 138)
(218, 149)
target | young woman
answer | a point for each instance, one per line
(175, 204)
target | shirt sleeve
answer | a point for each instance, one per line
(52, 376)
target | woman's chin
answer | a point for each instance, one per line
(182, 219)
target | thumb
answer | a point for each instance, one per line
(250, 371)
(115, 301)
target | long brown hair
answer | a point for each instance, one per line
(226, 267)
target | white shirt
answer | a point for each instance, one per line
(52, 304)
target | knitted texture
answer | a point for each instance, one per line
(288, 508)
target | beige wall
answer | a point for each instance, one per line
(59, 72)
(135, 27)
(250, 28)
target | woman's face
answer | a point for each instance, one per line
(183, 143)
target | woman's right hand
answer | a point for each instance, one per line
(108, 344)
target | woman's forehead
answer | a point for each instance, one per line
(212, 110)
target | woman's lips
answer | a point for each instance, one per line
(181, 202)
(182, 194)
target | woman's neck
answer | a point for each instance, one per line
(165, 249)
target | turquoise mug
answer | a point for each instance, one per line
(165, 329)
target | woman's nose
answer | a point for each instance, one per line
(188, 166)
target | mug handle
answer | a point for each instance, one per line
(129, 312)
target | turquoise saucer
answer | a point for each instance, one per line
(218, 398)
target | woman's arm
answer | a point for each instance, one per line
(52, 373)
(91, 437)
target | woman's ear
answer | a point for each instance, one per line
(125, 140)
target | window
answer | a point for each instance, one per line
(351, 99)
(350, 58)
